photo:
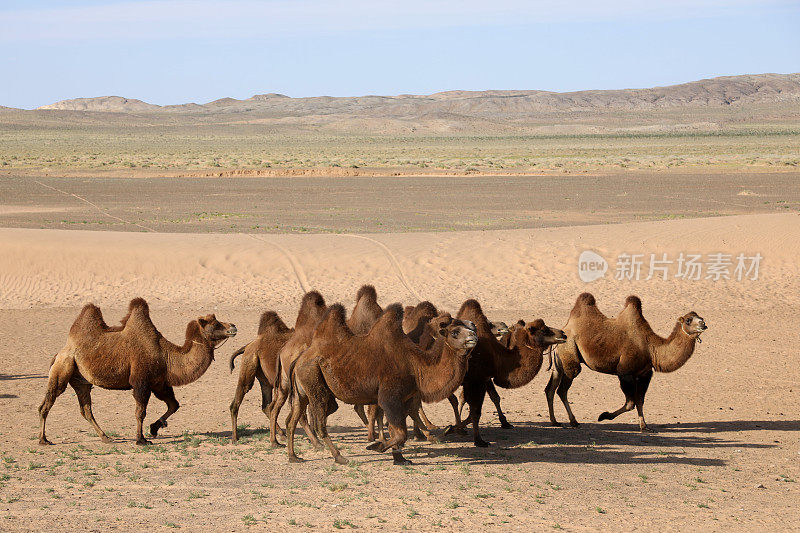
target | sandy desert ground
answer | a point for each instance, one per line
(724, 457)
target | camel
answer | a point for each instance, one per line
(259, 361)
(625, 346)
(383, 367)
(502, 333)
(312, 309)
(416, 324)
(510, 367)
(133, 356)
(365, 313)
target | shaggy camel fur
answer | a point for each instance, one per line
(312, 309)
(510, 367)
(416, 324)
(366, 312)
(625, 346)
(383, 367)
(259, 361)
(132, 356)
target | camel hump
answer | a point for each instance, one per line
(426, 308)
(335, 316)
(139, 303)
(635, 301)
(470, 308)
(270, 321)
(89, 320)
(313, 298)
(538, 324)
(367, 291)
(391, 320)
(586, 298)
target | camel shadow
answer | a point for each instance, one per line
(725, 426)
(11, 377)
(8, 396)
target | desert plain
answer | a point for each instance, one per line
(236, 241)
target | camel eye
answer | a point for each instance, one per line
(454, 333)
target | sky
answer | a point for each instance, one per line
(179, 51)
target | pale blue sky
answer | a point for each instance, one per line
(169, 52)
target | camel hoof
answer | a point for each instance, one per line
(400, 460)
(234, 440)
(433, 427)
(296, 459)
(45, 442)
(574, 423)
(556, 424)
(434, 440)
(340, 460)
(647, 429)
(505, 425)
(276, 444)
(143, 442)
(106, 439)
(604, 416)
(154, 427)
(375, 446)
(420, 438)
(481, 443)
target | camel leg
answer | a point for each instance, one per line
(416, 415)
(319, 415)
(141, 393)
(474, 394)
(563, 390)
(299, 407)
(359, 409)
(398, 433)
(457, 407)
(83, 390)
(428, 424)
(247, 376)
(492, 392)
(628, 386)
(167, 395)
(266, 394)
(310, 434)
(60, 375)
(278, 399)
(642, 382)
(550, 393)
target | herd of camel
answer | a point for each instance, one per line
(386, 362)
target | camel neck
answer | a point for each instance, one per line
(668, 355)
(439, 371)
(187, 363)
(518, 364)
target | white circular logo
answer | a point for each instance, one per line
(591, 266)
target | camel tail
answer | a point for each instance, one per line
(291, 383)
(236, 354)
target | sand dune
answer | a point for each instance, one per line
(511, 269)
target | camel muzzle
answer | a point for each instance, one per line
(231, 331)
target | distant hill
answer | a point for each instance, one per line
(488, 105)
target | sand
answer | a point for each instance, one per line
(724, 457)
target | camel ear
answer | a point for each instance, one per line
(443, 332)
(202, 321)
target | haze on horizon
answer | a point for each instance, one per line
(198, 50)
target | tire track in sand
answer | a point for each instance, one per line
(103, 211)
(392, 260)
(297, 268)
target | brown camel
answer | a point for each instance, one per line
(366, 312)
(417, 325)
(383, 367)
(312, 309)
(510, 367)
(132, 356)
(259, 361)
(502, 333)
(625, 346)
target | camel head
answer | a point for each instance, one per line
(499, 328)
(214, 330)
(693, 325)
(458, 334)
(540, 334)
